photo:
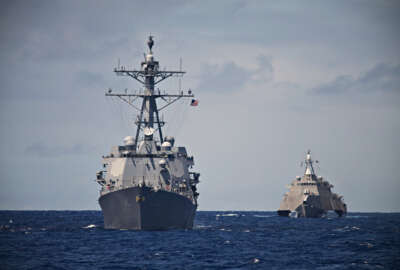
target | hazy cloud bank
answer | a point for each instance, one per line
(380, 78)
(231, 77)
(273, 79)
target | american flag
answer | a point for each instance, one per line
(194, 102)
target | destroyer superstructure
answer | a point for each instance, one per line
(146, 184)
(311, 196)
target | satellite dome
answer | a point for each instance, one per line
(162, 163)
(170, 139)
(129, 140)
(149, 57)
(166, 144)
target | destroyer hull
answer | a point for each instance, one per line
(142, 208)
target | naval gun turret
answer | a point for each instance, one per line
(147, 183)
(311, 195)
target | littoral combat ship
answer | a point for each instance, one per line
(311, 196)
(146, 183)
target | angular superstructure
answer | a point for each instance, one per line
(146, 183)
(311, 195)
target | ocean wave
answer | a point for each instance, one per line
(366, 244)
(43, 239)
(347, 229)
(90, 226)
(228, 215)
(202, 226)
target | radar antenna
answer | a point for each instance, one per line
(150, 43)
(309, 170)
(149, 75)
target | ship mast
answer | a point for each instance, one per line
(309, 164)
(149, 75)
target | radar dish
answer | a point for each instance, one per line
(150, 42)
(129, 140)
(166, 144)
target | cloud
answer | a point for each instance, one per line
(39, 149)
(230, 77)
(88, 78)
(380, 78)
(226, 78)
(265, 70)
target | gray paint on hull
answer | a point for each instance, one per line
(147, 183)
(309, 211)
(142, 208)
(311, 196)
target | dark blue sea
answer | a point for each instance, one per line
(219, 240)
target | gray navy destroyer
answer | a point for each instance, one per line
(146, 184)
(311, 196)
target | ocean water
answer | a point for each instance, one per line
(219, 240)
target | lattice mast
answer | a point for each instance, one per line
(149, 76)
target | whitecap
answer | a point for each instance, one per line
(90, 226)
(347, 229)
(261, 216)
(202, 226)
(368, 245)
(228, 215)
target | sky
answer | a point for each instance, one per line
(273, 79)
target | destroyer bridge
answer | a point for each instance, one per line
(147, 183)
